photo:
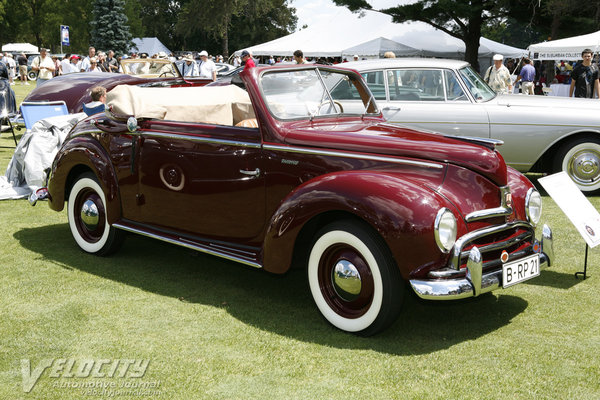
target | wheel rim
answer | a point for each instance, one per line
(89, 215)
(582, 163)
(345, 281)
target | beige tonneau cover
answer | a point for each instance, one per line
(221, 105)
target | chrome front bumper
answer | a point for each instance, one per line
(475, 282)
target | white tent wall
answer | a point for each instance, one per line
(20, 48)
(347, 30)
(565, 49)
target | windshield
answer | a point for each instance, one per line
(149, 68)
(479, 89)
(311, 93)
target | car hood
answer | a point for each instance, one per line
(385, 139)
(563, 103)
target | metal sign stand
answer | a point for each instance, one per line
(584, 273)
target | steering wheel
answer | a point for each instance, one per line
(165, 74)
(335, 102)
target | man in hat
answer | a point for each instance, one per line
(73, 65)
(189, 68)
(44, 66)
(208, 69)
(247, 60)
(498, 76)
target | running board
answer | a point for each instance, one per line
(221, 251)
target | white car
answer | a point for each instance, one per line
(540, 133)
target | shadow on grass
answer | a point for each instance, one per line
(279, 304)
(557, 280)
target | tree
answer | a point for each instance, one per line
(461, 19)
(110, 30)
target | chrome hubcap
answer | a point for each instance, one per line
(346, 280)
(585, 166)
(90, 215)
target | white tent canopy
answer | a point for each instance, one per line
(20, 48)
(149, 45)
(565, 49)
(378, 47)
(347, 30)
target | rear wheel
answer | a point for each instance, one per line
(88, 219)
(32, 76)
(353, 279)
(580, 159)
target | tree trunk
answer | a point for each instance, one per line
(225, 43)
(471, 39)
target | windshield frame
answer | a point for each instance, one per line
(366, 97)
(468, 79)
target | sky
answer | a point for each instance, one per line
(312, 12)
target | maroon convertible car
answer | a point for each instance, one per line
(301, 168)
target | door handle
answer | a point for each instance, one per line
(256, 172)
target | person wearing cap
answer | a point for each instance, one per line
(247, 60)
(355, 57)
(498, 77)
(44, 66)
(208, 69)
(74, 65)
(189, 68)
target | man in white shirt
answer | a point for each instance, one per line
(208, 69)
(85, 63)
(498, 76)
(189, 68)
(65, 65)
(12, 67)
(44, 66)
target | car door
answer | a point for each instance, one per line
(203, 180)
(432, 99)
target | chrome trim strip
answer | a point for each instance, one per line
(475, 270)
(500, 245)
(332, 153)
(548, 244)
(200, 139)
(503, 211)
(454, 289)
(189, 245)
(454, 261)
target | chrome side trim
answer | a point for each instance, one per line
(199, 139)
(333, 153)
(189, 245)
(504, 210)
(454, 261)
(454, 289)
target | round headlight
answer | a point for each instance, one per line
(533, 206)
(445, 229)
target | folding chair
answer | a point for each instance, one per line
(93, 110)
(33, 111)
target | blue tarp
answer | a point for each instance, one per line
(150, 45)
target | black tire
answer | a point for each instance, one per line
(580, 159)
(88, 220)
(32, 76)
(353, 278)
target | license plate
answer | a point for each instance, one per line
(520, 270)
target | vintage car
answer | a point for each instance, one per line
(540, 133)
(74, 89)
(291, 171)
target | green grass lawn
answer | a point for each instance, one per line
(213, 329)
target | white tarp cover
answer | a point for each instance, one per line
(565, 49)
(34, 154)
(348, 30)
(20, 48)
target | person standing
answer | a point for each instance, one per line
(85, 63)
(584, 78)
(208, 69)
(189, 68)
(526, 76)
(498, 77)
(111, 62)
(44, 66)
(12, 67)
(299, 57)
(22, 61)
(247, 60)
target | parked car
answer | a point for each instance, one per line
(540, 133)
(74, 89)
(292, 170)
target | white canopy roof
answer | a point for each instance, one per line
(347, 30)
(20, 48)
(565, 49)
(149, 45)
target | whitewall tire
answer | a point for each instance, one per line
(580, 159)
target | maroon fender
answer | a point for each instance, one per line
(78, 155)
(403, 215)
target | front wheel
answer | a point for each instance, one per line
(32, 76)
(353, 279)
(580, 159)
(88, 219)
